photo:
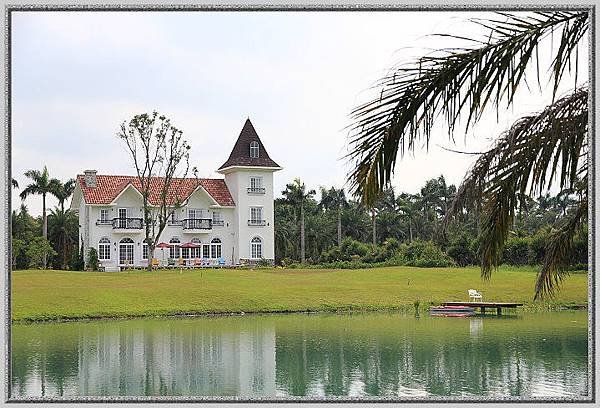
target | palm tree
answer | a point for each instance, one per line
(538, 152)
(296, 194)
(334, 199)
(41, 184)
(406, 204)
(62, 231)
(63, 192)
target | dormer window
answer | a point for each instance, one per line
(254, 150)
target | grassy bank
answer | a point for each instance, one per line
(53, 295)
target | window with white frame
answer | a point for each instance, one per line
(104, 249)
(254, 150)
(206, 251)
(256, 216)
(104, 216)
(256, 185)
(215, 248)
(256, 249)
(194, 213)
(195, 252)
(144, 251)
(217, 218)
(174, 249)
(126, 251)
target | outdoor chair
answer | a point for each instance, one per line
(221, 262)
(171, 263)
(197, 263)
(473, 294)
(155, 263)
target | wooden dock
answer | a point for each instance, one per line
(483, 305)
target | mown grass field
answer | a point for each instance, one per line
(54, 295)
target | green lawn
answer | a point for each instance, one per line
(52, 295)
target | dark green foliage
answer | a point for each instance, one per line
(92, 260)
(461, 251)
(516, 251)
(540, 151)
(424, 254)
(77, 262)
(37, 250)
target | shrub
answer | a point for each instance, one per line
(461, 251)
(37, 248)
(351, 247)
(77, 261)
(579, 251)
(516, 251)
(264, 262)
(92, 259)
(537, 248)
(423, 254)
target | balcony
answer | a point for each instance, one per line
(127, 224)
(257, 223)
(218, 223)
(104, 222)
(196, 224)
(256, 190)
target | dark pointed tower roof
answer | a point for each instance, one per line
(240, 155)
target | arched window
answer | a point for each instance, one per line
(196, 252)
(256, 249)
(145, 249)
(215, 248)
(126, 251)
(254, 150)
(174, 249)
(104, 249)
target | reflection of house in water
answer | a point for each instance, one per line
(188, 360)
(475, 326)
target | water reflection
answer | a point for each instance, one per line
(321, 355)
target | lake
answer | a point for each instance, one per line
(363, 354)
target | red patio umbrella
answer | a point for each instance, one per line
(162, 247)
(190, 245)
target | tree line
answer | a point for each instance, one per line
(308, 227)
(50, 239)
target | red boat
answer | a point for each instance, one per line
(452, 311)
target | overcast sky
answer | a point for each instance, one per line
(297, 75)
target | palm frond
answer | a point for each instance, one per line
(452, 82)
(538, 152)
(558, 250)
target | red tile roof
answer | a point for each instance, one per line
(109, 187)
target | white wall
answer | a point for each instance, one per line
(238, 182)
(132, 200)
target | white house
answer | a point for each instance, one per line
(228, 220)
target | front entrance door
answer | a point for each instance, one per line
(126, 252)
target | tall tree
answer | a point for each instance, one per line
(42, 185)
(539, 152)
(296, 194)
(63, 230)
(334, 199)
(160, 155)
(63, 192)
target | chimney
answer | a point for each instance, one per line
(90, 178)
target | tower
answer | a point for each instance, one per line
(249, 176)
